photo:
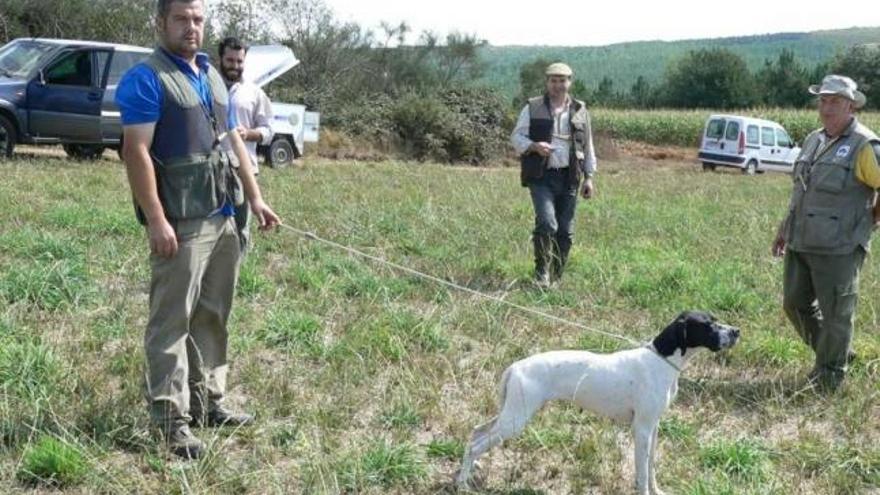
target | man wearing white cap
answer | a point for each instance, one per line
(555, 144)
(827, 231)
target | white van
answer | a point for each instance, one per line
(752, 145)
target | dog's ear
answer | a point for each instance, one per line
(673, 337)
(682, 336)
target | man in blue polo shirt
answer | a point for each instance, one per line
(175, 113)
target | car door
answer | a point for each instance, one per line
(120, 62)
(769, 160)
(730, 143)
(787, 150)
(64, 100)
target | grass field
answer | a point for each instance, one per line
(368, 381)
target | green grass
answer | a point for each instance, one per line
(744, 458)
(366, 380)
(383, 465)
(53, 462)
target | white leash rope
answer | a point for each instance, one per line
(453, 285)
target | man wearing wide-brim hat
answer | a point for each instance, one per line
(555, 144)
(827, 231)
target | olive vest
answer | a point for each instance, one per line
(194, 177)
(831, 210)
(541, 124)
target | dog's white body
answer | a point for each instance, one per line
(634, 387)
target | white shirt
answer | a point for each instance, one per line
(254, 111)
(561, 143)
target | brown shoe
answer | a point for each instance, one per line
(221, 417)
(182, 443)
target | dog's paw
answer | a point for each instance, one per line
(465, 484)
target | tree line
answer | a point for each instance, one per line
(719, 78)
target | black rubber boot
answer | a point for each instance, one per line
(542, 259)
(560, 258)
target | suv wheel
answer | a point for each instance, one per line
(751, 167)
(8, 137)
(84, 151)
(708, 166)
(280, 153)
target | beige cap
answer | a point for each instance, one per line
(558, 69)
(841, 86)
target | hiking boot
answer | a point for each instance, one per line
(221, 417)
(182, 443)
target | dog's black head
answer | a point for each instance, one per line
(693, 329)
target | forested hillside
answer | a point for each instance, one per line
(624, 62)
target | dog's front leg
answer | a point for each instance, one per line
(642, 434)
(652, 464)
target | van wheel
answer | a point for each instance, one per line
(751, 167)
(83, 151)
(707, 167)
(8, 137)
(280, 153)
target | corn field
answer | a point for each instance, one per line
(684, 127)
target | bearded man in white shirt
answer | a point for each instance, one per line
(253, 111)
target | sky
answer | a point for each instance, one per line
(603, 22)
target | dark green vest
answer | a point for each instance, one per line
(541, 129)
(831, 210)
(194, 176)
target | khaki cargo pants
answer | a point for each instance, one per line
(819, 297)
(186, 337)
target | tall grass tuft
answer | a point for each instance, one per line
(54, 462)
(383, 464)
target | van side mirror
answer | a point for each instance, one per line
(41, 77)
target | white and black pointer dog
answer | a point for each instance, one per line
(633, 387)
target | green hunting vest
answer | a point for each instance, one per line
(831, 210)
(194, 176)
(541, 125)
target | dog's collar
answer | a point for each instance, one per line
(653, 349)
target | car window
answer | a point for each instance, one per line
(768, 137)
(715, 129)
(20, 57)
(101, 59)
(752, 135)
(732, 133)
(122, 61)
(782, 138)
(74, 69)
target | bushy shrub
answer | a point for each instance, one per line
(479, 126)
(454, 125)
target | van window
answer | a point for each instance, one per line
(715, 129)
(768, 137)
(752, 135)
(782, 138)
(122, 61)
(732, 131)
